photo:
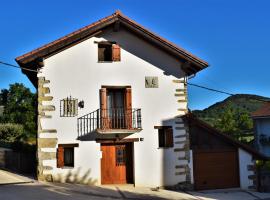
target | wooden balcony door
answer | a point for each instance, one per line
(117, 163)
(116, 108)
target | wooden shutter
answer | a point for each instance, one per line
(128, 104)
(116, 52)
(168, 137)
(103, 108)
(60, 157)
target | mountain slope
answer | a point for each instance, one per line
(244, 102)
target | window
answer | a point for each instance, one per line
(165, 137)
(108, 52)
(116, 108)
(65, 155)
(104, 52)
(120, 155)
(69, 157)
(69, 107)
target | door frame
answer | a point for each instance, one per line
(129, 141)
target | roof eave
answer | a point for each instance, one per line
(89, 31)
(261, 116)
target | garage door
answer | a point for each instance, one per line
(213, 170)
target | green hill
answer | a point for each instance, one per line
(243, 102)
(232, 116)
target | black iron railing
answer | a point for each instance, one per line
(109, 119)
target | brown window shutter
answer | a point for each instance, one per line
(103, 108)
(60, 157)
(168, 137)
(116, 52)
(128, 108)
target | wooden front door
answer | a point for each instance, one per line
(216, 169)
(117, 163)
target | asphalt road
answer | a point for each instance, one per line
(15, 187)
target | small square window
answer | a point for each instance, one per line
(104, 52)
(69, 107)
(69, 157)
(109, 52)
(65, 155)
(165, 137)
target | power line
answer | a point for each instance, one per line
(214, 90)
(15, 66)
(220, 91)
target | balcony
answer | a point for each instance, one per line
(110, 121)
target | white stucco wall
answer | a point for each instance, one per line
(76, 72)
(245, 159)
(262, 126)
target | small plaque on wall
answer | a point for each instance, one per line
(151, 82)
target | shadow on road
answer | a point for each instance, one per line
(33, 191)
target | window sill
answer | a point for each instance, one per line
(164, 147)
(67, 167)
(108, 61)
(105, 61)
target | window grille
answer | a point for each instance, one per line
(120, 155)
(69, 107)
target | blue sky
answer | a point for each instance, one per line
(233, 36)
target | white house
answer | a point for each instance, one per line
(261, 119)
(111, 97)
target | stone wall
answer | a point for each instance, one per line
(181, 137)
(45, 140)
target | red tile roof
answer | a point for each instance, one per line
(46, 51)
(264, 111)
(33, 58)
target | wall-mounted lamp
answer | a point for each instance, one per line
(81, 104)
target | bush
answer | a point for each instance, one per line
(10, 133)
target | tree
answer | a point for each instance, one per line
(10, 132)
(244, 122)
(20, 108)
(227, 123)
(3, 96)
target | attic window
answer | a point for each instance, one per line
(108, 52)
